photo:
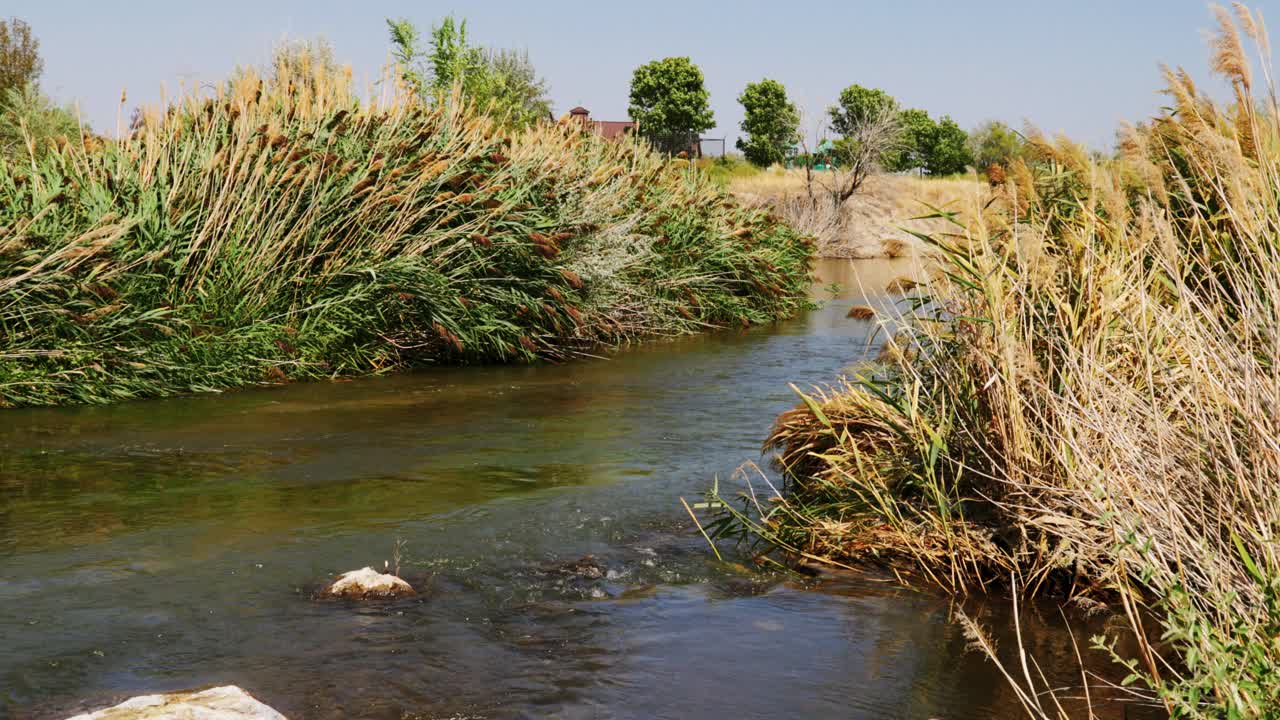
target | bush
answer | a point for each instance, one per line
(1083, 398)
(284, 230)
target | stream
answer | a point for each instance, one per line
(171, 544)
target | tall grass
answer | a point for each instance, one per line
(1086, 399)
(286, 228)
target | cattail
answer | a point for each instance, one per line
(396, 199)
(275, 374)
(547, 251)
(745, 322)
(497, 158)
(491, 204)
(106, 292)
(902, 285)
(522, 311)
(404, 296)
(528, 344)
(684, 312)
(548, 309)
(376, 165)
(555, 294)
(481, 240)
(440, 330)
(571, 277)
(538, 237)
(286, 347)
(861, 312)
(465, 198)
(464, 302)
(456, 342)
(342, 115)
(561, 236)
(444, 196)
(435, 169)
(575, 314)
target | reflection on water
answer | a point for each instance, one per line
(170, 544)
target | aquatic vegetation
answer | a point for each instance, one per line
(1086, 400)
(287, 228)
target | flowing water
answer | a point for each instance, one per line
(171, 544)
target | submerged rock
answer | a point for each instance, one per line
(221, 703)
(367, 583)
(586, 567)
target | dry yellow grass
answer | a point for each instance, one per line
(874, 222)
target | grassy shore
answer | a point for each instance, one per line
(287, 228)
(880, 221)
(1086, 400)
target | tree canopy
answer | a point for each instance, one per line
(858, 106)
(771, 122)
(503, 82)
(20, 62)
(917, 130)
(669, 99)
(948, 149)
(994, 143)
(938, 147)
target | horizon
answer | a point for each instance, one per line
(1100, 57)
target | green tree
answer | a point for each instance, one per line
(20, 63)
(948, 149)
(515, 89)
(669, 102)
(918, 131)
(994, 143)
(502, 82)
(859, 106)
(771, 122)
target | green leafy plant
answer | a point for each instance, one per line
(771, 123)
(502, 83)
(283, 228)
(670, 103)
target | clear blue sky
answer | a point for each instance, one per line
(1079, 67)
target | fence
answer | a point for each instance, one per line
(711, 147)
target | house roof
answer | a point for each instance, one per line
(579, 111)
(610, 129)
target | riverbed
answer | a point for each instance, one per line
(171, 544)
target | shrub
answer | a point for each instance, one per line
(285, 229)
(1084, 398)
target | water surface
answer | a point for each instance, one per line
(163, 545)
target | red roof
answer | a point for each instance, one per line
(579, 111)
(611, 129)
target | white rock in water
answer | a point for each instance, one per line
(369, 583)
(221, 703)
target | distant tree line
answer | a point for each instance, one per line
(668, 100)
(771, 128)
